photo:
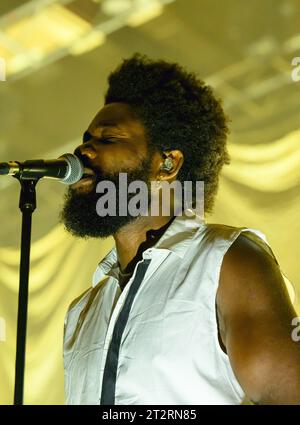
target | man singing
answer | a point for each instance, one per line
(180, 311)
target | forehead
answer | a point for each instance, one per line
(119, 115)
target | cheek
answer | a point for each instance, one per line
(113, 160)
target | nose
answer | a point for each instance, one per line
(86, 150)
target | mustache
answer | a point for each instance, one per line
(99, 175)
(85, 161)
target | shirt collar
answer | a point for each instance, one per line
(176, 239)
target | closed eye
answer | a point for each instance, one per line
(106, 140)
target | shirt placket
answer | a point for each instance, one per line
(148, 256)
(113, 318)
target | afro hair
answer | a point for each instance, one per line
(178, 111)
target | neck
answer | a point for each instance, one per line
(133, 237)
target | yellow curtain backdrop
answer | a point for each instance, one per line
(260, 189)
(61, 268)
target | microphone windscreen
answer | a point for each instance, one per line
(75, 169)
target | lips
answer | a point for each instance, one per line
(87, 178)
(88, 173)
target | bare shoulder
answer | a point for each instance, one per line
(256, 314)
(251, 280)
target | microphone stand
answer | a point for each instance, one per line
(27, 205)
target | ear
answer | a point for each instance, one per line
(171, 162)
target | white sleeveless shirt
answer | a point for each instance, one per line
(155, 342)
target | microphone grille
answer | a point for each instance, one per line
(75, 169)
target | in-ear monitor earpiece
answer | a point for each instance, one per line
(168, 164)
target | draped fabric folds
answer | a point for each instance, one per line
(61, 269)
(260, 189)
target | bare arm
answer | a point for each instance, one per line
(255, 316)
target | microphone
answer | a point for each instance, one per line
(68, 169)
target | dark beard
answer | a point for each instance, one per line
(79, 214)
